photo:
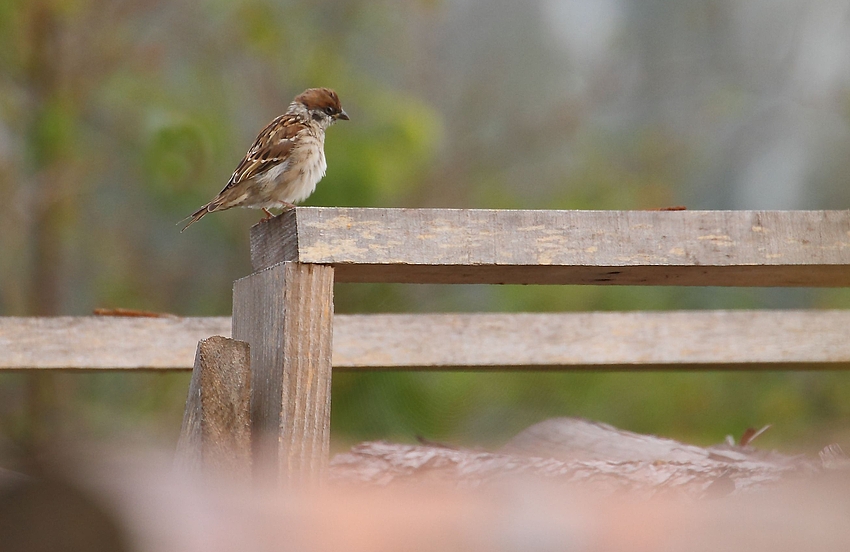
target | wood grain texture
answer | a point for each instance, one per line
(97, 342)
(718, 248)
(580, 452)
(580, 439)
(678, 340)
(216, 432)
(286, 314)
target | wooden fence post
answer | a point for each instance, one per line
(216, 433)
(285, 313)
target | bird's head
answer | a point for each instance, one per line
(322, 106)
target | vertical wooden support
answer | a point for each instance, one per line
(285, 313)
(216, 433)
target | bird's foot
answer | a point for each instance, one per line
(268, 214)
(288, 206)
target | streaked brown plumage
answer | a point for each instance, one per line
(287, 159)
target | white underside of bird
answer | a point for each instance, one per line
(292, 181)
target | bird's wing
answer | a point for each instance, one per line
(271, 148)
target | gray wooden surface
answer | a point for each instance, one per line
(723, 248)
(104, 342)
(675, 340)
(285, 313)
(216, 433)
(804, 339)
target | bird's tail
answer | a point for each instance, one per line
(196, 216)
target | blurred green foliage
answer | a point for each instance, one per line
(118, 118)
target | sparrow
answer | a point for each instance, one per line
(286, 161)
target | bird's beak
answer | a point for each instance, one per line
(342, 115)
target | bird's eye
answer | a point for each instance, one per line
(329, 110)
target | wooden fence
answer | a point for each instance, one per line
(284, 310)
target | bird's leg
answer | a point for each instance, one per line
(287, 206)
(268, 214)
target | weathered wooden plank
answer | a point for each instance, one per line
(216, 432)
(104, 342)
(286, 314)
(580, 452)
(783, 340)
(678, 340)
(717, 248)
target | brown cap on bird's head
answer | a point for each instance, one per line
(323, 99)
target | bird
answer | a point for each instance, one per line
(286, 161)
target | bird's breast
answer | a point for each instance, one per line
(306, 167)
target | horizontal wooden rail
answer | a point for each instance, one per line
(608, 340)
(105, 342)
(694, 248)
(679, 340)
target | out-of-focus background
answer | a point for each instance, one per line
(120, 117)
